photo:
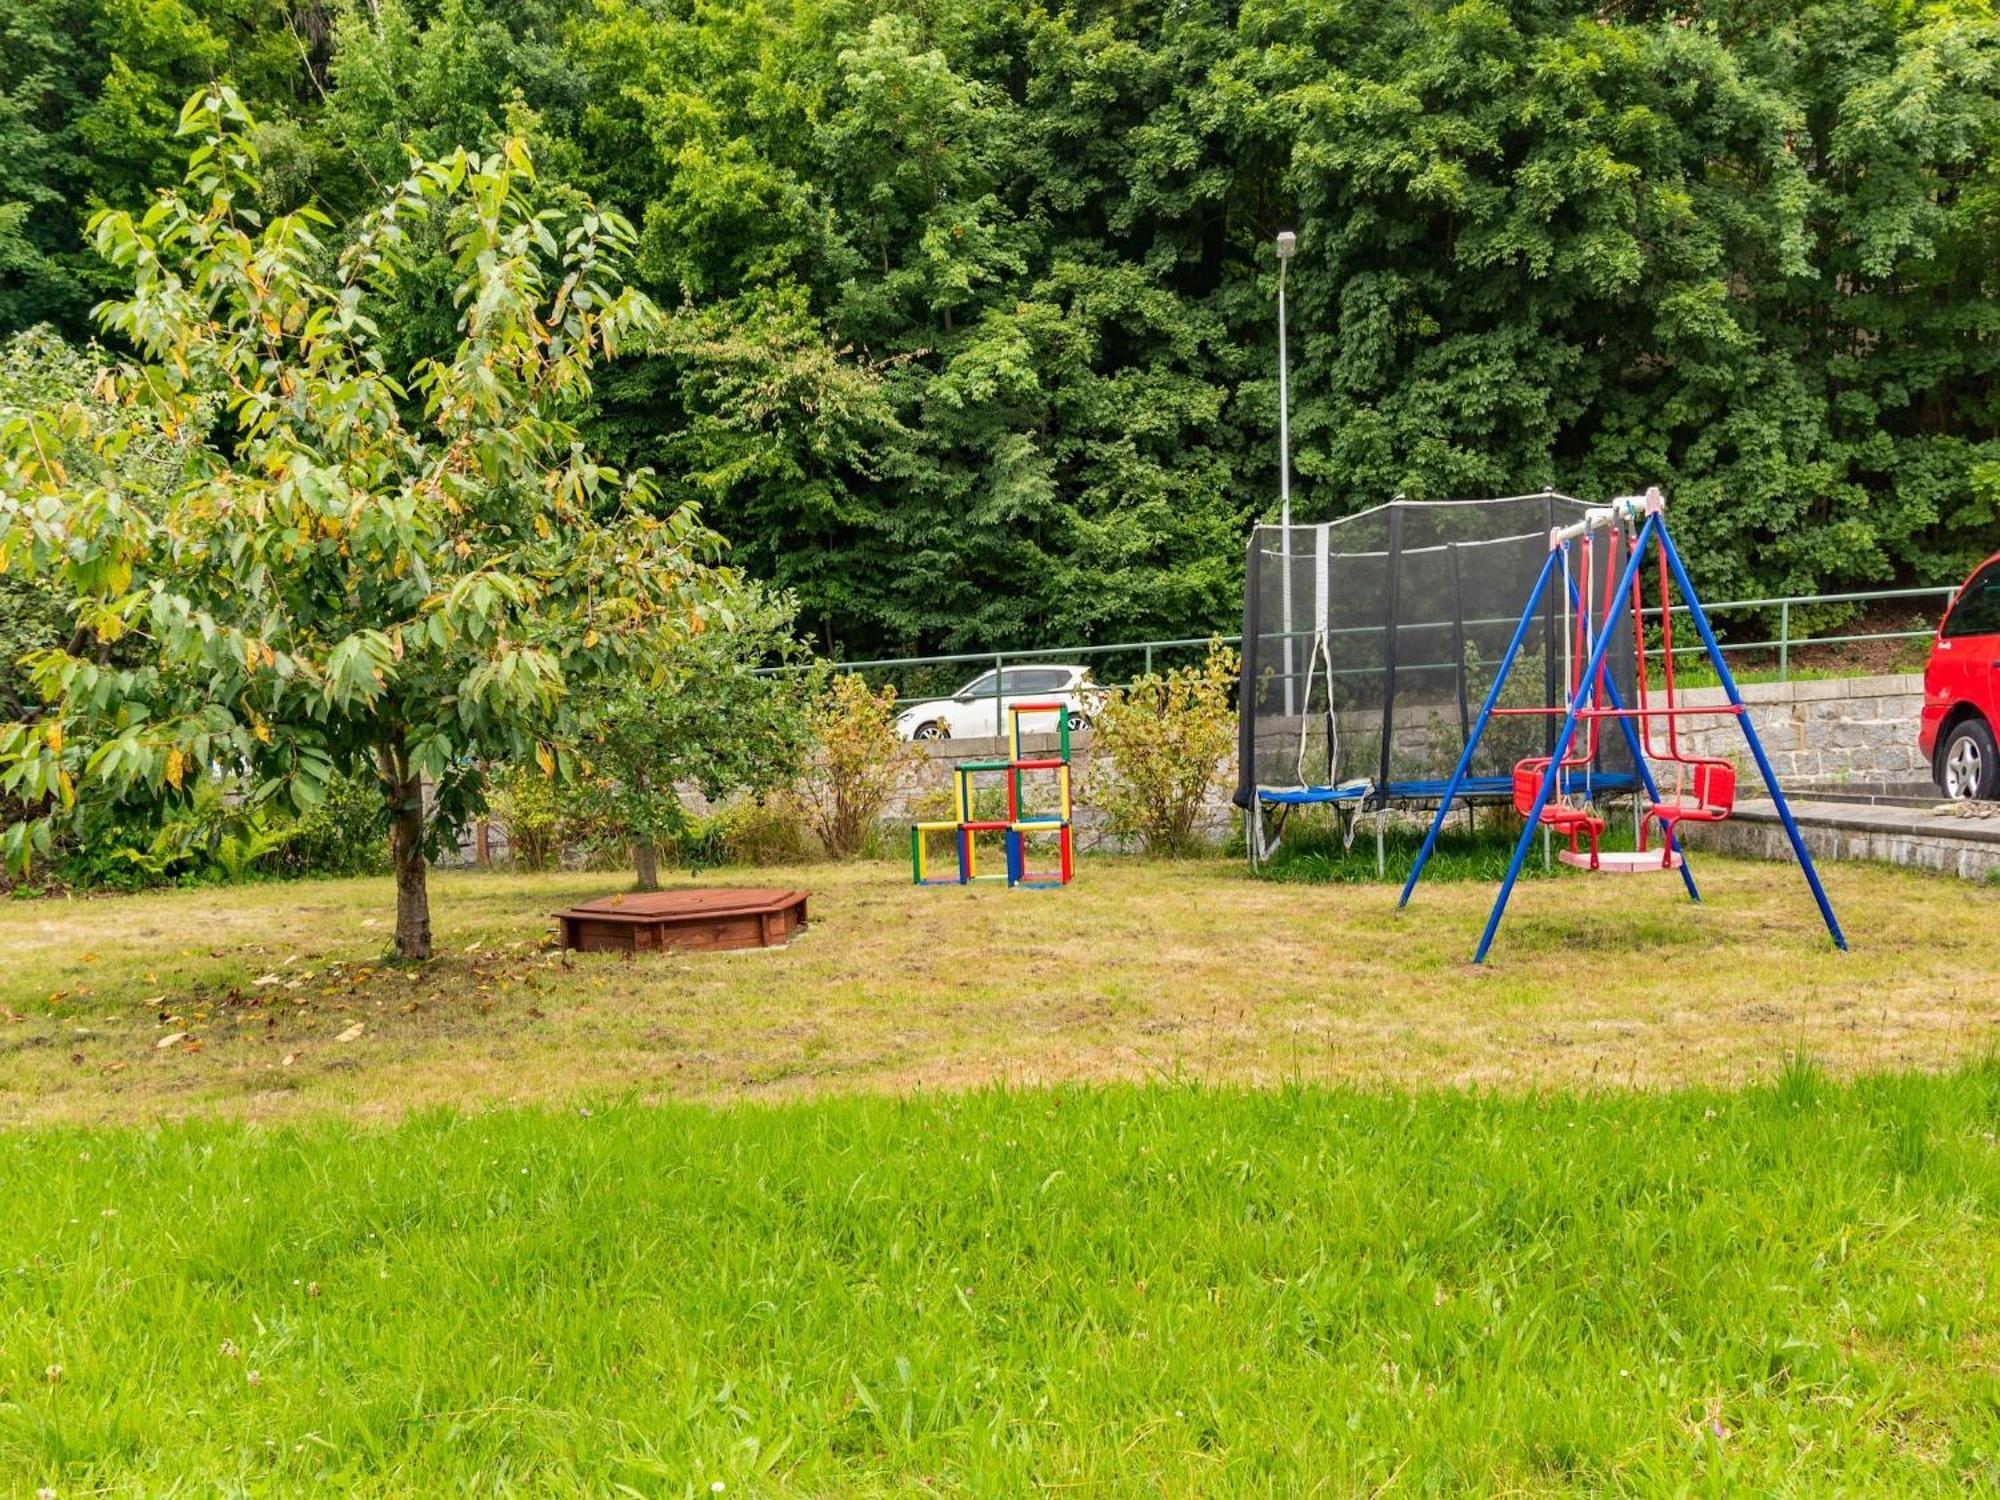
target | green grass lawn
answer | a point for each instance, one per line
(1175, 1182)
(1127, 1290)
(273, 1002)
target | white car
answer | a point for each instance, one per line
(973, 713)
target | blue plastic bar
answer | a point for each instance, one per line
(1479, 724)
(1750, 734)
(1621, 599)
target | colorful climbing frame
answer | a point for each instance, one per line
(1022, 821)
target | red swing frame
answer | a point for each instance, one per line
(1561, 816)
(1704, 786)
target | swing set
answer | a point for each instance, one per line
(1554, 791)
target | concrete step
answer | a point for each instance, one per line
(1956, 838)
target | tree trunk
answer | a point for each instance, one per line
(482, 844)
(406, 842)
(646, 855)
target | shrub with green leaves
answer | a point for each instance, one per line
(1161, 749)
(858, 762)
(703, 715)
(345, 833)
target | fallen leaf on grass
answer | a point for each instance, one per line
(352, 1032)
(267, 979)
(290, 1058)
(168, 1040)
(116, 1067)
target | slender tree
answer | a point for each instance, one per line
(707, 719)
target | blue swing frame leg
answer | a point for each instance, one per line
(1621, 600)
(1722, 673)
(1479, 725)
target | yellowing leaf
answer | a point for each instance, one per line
(55, 735)
(545, 760)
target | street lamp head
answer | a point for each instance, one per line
(1288, 244)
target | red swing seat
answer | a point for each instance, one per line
(1571, 822)
(1705, 794)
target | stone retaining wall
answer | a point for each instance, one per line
(1964, 842)
(1839, 730)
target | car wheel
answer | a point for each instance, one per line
(932, 729)
(1969, 767)
(1077, 722)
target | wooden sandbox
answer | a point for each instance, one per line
(684, 921)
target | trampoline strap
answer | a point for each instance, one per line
(1390, 611)
(1246, 683)
(1458, 647)
(1549, 643)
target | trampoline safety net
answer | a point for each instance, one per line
(1370, 642)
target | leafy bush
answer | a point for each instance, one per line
(525, 802)
(208, 839)
(749, 831)
(1161, 746)
(346, 834)
(858, 762)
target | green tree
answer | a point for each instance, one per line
(342, 587)
(702, 717)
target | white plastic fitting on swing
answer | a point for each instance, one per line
(1631, 509)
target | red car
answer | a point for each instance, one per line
(1962, 690)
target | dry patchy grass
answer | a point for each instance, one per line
(1139, 970)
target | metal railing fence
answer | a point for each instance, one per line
(1145, 655)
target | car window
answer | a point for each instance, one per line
(1037, 680)
(1978, 609)
(981, 685)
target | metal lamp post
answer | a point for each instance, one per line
(1288, 244)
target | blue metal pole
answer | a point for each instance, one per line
(1611, 623)
(1638, 755)
(1750, 734)
(1479, 724)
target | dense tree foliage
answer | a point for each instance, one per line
(969, 337)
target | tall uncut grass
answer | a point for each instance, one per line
(1160, 1290)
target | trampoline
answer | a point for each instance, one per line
(1369, 643)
